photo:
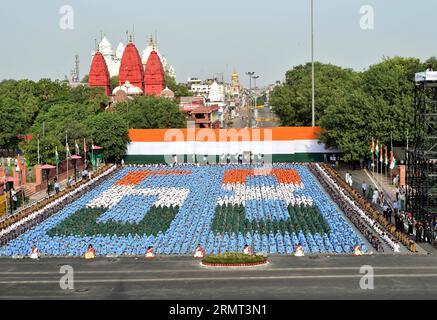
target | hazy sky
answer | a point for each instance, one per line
(201, 37)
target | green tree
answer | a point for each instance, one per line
(430, 62)
(114, 82)
(47, 146)
(11, 122)
(292, 101)
(149, 112)
(57, 122)
(179, 90)
(393, 81)
(109, 130)
(350, 123)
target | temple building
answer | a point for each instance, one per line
(112, 59)
(99, 74)
(137, 76)
(154, 77)
(216, 92)
(131, 68)
(149, 49)
(167, 93)
(126, 89)
(235, 87)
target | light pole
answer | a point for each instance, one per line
(313, 116)
(250, 74)
(255, 93)
(18, 170)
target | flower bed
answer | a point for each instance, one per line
(233, 259)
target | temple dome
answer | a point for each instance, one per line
(105, 47)
(99, 74)
(167, 93)
(119, 51)
(154, 77)
(128, 88)
(131, 68)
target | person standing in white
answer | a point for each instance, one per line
(375, 196)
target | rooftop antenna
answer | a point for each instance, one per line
(133, 32)
(77, 67)
(127, 36)
(95, 44)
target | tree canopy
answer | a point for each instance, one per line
(179, 90)
(352, 107)
(149, 112)
(110, 131)
(292, 100)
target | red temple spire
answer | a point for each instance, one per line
(154, 77)
(131, 68)
(99, 74)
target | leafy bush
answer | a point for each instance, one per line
(233, 258)
(84, 223)
(232, 219)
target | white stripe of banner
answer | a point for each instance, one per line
(233, 147)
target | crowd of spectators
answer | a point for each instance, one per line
(25, 220)
(347, 208)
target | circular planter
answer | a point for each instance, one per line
(247, 264)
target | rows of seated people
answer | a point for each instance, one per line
(196, 191)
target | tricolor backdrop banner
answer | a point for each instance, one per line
(279, 144)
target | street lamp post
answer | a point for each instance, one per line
(250, 74)
(255, 92)
(313, 116)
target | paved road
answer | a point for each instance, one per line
(267, 118)
(264, 116)
(324, 277)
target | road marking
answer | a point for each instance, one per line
(213, 270)
(406, 275)
(375, 184)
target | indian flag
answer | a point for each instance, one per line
(380, 154)
(56, 155)
(76, 146)
(67, 150)
(386, 156)
(372, 148)
(377, 149)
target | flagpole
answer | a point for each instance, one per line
(377, 167)
(378, 178)
(92, 154)
(380, 164)
(57, 162)
(38, 153)
(84, 151)
(66, 152)
(373, 158)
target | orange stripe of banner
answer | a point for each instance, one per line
(244, 134)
